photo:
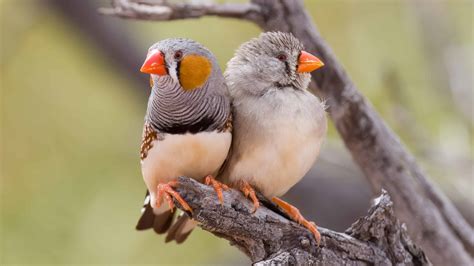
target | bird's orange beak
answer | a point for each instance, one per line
(154, 64)
(308, 62)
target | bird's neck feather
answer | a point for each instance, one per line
(175, 110)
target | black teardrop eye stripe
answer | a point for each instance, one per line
(287, 67)
(178, 65)
(298, 60)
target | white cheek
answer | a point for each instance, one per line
(172, 72)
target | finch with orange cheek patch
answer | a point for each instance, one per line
(279, 125)
(187, 130)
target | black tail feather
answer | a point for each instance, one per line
(163, 222)
(160, 223)
(147, 219)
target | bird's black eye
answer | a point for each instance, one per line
(178, 55)
(282, 57)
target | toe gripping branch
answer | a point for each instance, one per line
(250, 193)
(218, 187)
(296, 216)
(166, 191)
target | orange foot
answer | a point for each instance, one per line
(295, 214)
(218, 187)
(249, 192)
(166, 190)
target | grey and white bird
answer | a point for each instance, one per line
(187, 129)
(278, 125)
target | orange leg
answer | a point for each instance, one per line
(165, 190)
(218, 187)
(295, 214)
(249, 192)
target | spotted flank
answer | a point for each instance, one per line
(149, 135)
(227, 125)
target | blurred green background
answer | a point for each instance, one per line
(71, 117)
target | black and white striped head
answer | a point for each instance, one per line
(273, 60)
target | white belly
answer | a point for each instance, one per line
(275, 166)
(191, 155)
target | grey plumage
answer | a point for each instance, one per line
(278, 125)
(255, 67)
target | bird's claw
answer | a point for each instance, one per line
(218, 187)
(249, 192)
(166, 191)
(295, 214)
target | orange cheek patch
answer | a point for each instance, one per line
(194, 70)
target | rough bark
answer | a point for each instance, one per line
(432, 220)
(269, 238)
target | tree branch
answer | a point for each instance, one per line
(164, 11)
(268, 238)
